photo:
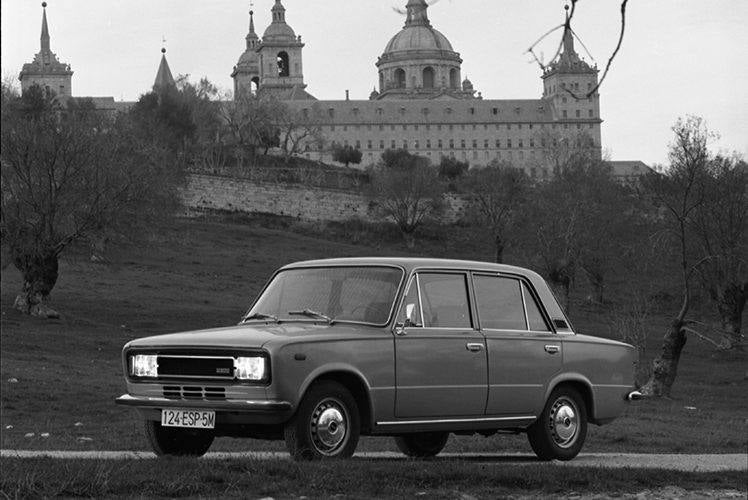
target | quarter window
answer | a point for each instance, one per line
(499, 302)
(444, 300)
(534, 317)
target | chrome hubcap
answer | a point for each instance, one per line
(564, 422)
(329, 426)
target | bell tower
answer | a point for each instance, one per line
(280, 61)
(246, 73)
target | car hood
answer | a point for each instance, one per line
(251, 335)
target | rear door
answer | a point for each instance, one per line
(441, 362)
(523, 352)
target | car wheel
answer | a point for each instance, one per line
(560, 430)
(422, 444)
(177, 442)
(326, 425)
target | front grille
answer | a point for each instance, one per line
(194, 392)
(184, 366)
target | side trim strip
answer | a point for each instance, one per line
(458, 420)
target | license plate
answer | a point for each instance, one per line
(193, 419)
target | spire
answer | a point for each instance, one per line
(279, 12)
(417, 11)
(252, 39)
(164, 79)
(45, 29)
(568, 41)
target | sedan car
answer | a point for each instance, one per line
(416, 349)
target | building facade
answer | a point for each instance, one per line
(422, 103)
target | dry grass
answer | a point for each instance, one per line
(358, 479)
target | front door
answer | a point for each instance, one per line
(441, 361)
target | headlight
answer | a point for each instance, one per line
(249, 368)
(144, 365)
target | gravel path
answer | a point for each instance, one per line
(682, 462)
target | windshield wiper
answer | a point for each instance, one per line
(312, 314)
(260, 316)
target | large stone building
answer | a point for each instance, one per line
(422, 104)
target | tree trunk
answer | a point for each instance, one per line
(39, 278)
(499, 249)
(665, 366)
(410, 240)
(730, 306)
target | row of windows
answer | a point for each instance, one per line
(439, 127)
(590, 113)
(441, 300)
(463, 144)
(574, 86)
(517, 110)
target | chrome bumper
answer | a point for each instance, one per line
(233, 405)
(634, 396)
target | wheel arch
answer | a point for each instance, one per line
(352, 380)
(582, 385)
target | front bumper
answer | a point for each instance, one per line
(229, 405)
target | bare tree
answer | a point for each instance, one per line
(69, 174)
(251, 121)
(299, 128)
(721, 231)
(497, 195)
(407, 189)
(679, 193)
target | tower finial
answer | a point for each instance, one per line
(417, 13)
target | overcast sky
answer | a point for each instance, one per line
(679, 56)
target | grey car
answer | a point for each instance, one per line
(417, 349)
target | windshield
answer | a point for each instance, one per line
(358, 294)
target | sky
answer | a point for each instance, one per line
(678, 57)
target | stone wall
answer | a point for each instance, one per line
(215, 192)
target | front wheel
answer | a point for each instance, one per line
(422, 444)
(174, 441)
(560, 430)
(326, 425)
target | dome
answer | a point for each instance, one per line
(249, 57)
(418, 37)
(278, 31)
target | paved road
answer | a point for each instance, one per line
(696, 463)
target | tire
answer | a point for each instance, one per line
(326, 424)
(173, 441)
(422, 444)
(561, 429)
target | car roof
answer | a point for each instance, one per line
(410, 263)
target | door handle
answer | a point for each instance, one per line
(552, 349)
(474, 347)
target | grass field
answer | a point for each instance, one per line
(360, 479)
(60, 377)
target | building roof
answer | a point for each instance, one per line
(568, 61)
(164, 79)
(629, 168)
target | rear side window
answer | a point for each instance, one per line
(499, 302)
(534, 317)
(444, 300)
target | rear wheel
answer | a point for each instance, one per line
(422, 444)
(560, 430)
(326, 425)
(176, 441)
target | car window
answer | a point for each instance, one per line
(499, 301)
(412, 302)
(534, 317)
(444, 300)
